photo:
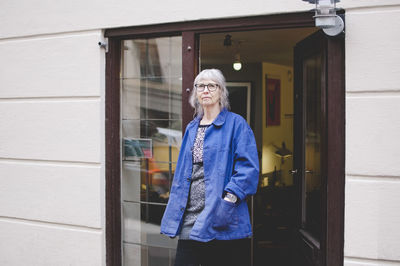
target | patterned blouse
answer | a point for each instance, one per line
(196, 200)
(198, 144)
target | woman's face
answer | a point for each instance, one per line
(206, 97)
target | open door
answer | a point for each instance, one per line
(319, 149)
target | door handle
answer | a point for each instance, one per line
(294, 171)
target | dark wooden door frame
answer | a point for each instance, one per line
(113, 158)
(335, 162)
(331, 242)
(190, 32)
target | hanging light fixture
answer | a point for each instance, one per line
(326, 18)
(237, 63)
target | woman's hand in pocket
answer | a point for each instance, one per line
(224, 214)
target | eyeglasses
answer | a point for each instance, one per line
(211, 87)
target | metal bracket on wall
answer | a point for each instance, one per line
(104, 45)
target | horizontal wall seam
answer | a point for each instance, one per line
(360, 177)
(375, 94)
(371, 9)
(44, 36)
(51, 224)
(366, 260)
(50, 162)
(51, 98)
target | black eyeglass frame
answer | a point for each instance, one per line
(199, 89)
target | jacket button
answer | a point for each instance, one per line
(182, 209)
(188, 179)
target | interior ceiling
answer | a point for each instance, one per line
(273, 46)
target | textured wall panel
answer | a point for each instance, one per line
(373, 50)
(62, 65)
(57, 193)
(35, 244)
(372, 218)
(372, 134)
(67, 130)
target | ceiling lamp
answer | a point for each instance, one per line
(237, 64)
(326, 18)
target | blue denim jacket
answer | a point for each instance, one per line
(230, 165)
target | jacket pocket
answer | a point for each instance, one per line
(224, 215)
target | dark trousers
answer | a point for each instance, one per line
(213, 253)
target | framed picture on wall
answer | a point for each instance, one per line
(239, 98)
(273, 101)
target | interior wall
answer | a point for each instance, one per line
(251, 72)
(275, 135)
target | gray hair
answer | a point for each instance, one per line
(216, 76)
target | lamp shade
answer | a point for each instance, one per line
(237, 66)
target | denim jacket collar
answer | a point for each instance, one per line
(219, 121)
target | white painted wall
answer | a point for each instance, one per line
(52, 122)
(52, 150)
(32, 17)
(372, 145)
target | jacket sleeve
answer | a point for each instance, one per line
(244, 180)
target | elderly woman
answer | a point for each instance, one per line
(216, 170)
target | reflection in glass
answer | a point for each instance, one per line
(148, 255)
(145, 181)
(312, 79)
(152, 98)
(165, 135)
(151, 136)
(141, 225)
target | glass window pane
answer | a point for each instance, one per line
(176, 58)
(160, 256)
(165, 136)
(133, 98)
(132, 255)
(147, 255)
(146, 181)
(312, 79)
(175, 138)
(176, 98)
(141, 225)
(151, 136)
(131, 181)
(133, 60)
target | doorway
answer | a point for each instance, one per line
(266, 63)
(288, 209)
(264, 45)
